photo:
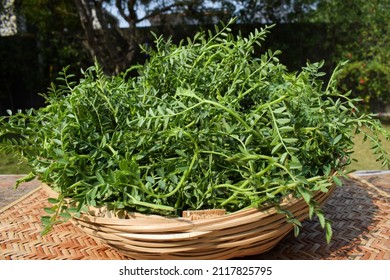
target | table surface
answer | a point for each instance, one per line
(359, 211)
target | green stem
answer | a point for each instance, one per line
(233, 196)
(150, 205)
(277, 129)
(280, 189)
(278, 100)
(235, 115)
(183, 178)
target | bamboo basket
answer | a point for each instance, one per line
(212, 236)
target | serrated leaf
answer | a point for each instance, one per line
(161, 184)
(92, 194)
(275, 140)
(321, 218)
(311, 211)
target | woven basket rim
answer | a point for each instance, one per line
(102, 215)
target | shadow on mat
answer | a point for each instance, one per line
(351, 209)
(8, 193)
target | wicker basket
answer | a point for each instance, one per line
(243, 233)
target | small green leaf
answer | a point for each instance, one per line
(311, 211)
(53, 200)
(65, 215)
(181, 153)
(173, 178)
(295, 163)
(100, 178)
(296, 230)
(160, 110)
(321, 218)
(337, 139)
(328, 231)
(337, 181)
(305, 194)
(150, 179)
(276, 148)
(29, 177)
(59, 152)
(72, 209)
(49, 210)
(283, 121)
(286, 128)
(57, 141)
(279, 110)
(327, 170)
(45, 220)
(290, 140)
(104, 141)
(181, 168)
(270, 195)
(283, 158)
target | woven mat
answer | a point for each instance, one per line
(359, 212)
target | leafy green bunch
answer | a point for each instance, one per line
(204, 124)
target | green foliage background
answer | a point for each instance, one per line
(333, 30)
(361, 30)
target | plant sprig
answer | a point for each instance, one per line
(207, 124)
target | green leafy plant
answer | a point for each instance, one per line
(368, 80)
(204, 124)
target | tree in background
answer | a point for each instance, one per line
(109, 29)
(273, 11)
(116, 48)
(47, 38)
(115, 41)
(57, 29)
(360, 31)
